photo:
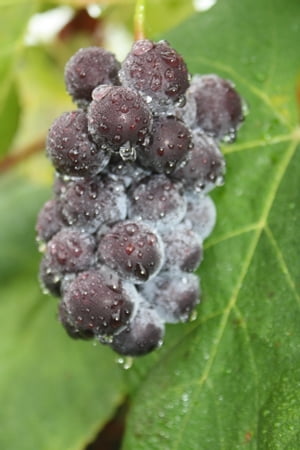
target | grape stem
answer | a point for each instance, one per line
(21, 154)
(139, 20)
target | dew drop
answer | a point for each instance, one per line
(181, 101)
(148, 99)
(56, 278)
(125, 362)
(45, 290)
(104, 339)
(42, 246)
(193, 316)
(127, 152)
(142, 47)
(219, 180)
(129, 248)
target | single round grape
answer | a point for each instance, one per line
(156, 70)
(205, 167)
(174, 295)
(159, 201)
(90, 203)
(219, 108)
(143, 334)
(118, 117)
(201, 214)
(169, 146)
(133, 249)
(49, 221)
(183, 248)
(70, 148)
(88, 68)
(72, 331)
(69, 251)
(98, 304)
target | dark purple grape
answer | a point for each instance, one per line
(219, 108)
(201, 214)
(88, 68)
(72, 331)
(159, 201)
(205, 167)
(183, 248)
(169, 145)
(91, 203)
(156, 70)
(142, 335)
(99, 302)
(70, 148)
(174, 295)
(133, 249)
(49, 221)
(69, 251)
(118, 117)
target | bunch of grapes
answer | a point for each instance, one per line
(135, 162)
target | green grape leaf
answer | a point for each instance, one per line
(55, 392)
(277, 428)
(210, 386)
(14, 18)
(161, 15)
(43, 92)
(9, 117)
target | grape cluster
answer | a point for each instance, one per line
(124, 230)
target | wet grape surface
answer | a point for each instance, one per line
(135, 163)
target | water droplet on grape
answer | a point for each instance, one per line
(181, 101)
(127, 152)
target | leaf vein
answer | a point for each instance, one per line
(232, 234)
(282, 263)
(233, 148)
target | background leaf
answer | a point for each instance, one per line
(160, 15)
(215, 379)
(13, 23)
(9, 117)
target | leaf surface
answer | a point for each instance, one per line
(213, 385)
(9, 117)
(14, 16)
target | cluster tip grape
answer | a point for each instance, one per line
(135, 162)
